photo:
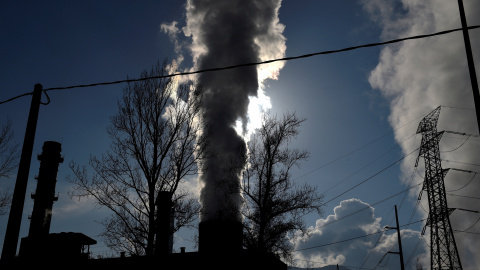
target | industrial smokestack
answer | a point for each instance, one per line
(226, 33)
(164, 224)
(45, 193)
(44, 196)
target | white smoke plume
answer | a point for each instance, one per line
(226, 33)
(418, 76)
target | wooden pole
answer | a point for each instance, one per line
(16, 209)
(471, 63)
(400, 251)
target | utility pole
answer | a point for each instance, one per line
(471, 63)
(400, 251)
(16, 209)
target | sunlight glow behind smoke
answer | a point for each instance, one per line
(271, 45)
(256, 107)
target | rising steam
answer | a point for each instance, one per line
(225, 33)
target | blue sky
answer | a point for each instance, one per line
(362, 107)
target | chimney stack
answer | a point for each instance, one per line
(164, 224)
(44, 195)
(34, 244)
(220, 236)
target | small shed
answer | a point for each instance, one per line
(66, 245)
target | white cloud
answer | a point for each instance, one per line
(352, 219)
(66, 207)
(190, 185)
(172, 30)
(420, 75)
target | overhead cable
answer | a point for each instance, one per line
(466, 232)
(370, 205)
(460, 108)
(19, 96)
(353, 238)
(413, 251)
(465, 163)
(341, 241)
(270, 61)
(254, 63)
(371, 177)
(456, 148)
(468, 183)
(462, 133)
(463, 196)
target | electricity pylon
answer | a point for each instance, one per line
(443, 250)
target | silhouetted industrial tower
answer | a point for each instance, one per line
(45, 193)
(443, 250)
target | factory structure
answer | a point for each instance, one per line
(220, 242)
(40, 243)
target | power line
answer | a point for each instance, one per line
(28, 94)
(468, 183)
(456, 148)
(460, 108)
(462, 133)
(363, 146)
(415, 222)
(274, 60)
(391, 221)
(379, 262)
(414, 210)
(370, 163)
(370, 251)
(19, 96)
(465, 163)
(468, 210)
(370, 205)
(341, 241)
(466, 232)
(354, 238)
(371, 177)
(341, 265)
(470, 139)
(252, 63)
(405, 196)
(469, 197)
(381, 201)
(354, 267)
(413, 251)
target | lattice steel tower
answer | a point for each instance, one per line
(443, 250)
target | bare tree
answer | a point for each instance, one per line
(154, 147)
(419, 265)
(274, 204)
(9, 155)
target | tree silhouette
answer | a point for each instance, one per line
(154, 147)
(274, 204)
(8, 162)
(419, 265)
